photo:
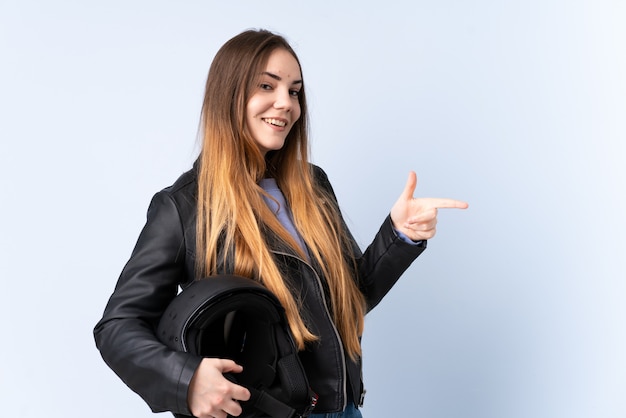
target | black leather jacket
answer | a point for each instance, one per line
(163, 259)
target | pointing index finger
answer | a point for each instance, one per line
(441, 203)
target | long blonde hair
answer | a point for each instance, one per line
(232, 215)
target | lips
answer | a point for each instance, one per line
(281, 123)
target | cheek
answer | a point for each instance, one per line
(250, 109)
(254, 106)
(296, 112)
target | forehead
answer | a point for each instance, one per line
(283, 64)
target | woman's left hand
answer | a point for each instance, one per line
(417, 217)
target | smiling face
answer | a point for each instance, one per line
(273, 107)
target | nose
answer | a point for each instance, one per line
(283, 100)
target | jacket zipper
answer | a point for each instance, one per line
(332, 323)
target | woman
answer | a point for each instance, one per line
(253, 206)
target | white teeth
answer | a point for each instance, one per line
(276, 122)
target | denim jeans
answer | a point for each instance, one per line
(350, 412)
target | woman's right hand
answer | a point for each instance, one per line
(211, 394)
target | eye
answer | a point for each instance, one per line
(265, 86)
(294, 93)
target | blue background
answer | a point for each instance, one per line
(518, 107)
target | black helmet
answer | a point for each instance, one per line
(236, 318)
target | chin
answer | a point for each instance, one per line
(273, 147)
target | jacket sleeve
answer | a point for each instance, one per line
(126, 336)
(384, 260)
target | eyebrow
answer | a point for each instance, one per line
(278, 78)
